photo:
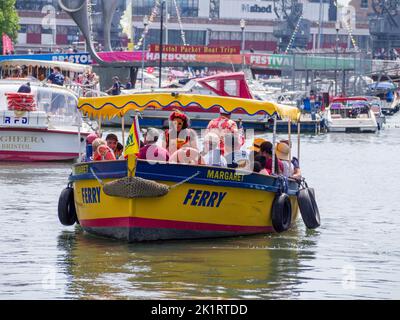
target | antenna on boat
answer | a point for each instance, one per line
(273, 145)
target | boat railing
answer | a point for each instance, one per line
(89, 90)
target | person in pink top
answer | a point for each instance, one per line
(223, 125)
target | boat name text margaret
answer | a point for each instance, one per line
(224, 175)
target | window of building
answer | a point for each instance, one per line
(187, 8)
(364, 4)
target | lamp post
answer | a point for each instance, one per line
(242, 26)
(145, 23)
(337, 27)
(161, 42)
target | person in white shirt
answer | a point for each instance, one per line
(211, 152)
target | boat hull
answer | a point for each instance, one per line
(204, 207)
(18, 144)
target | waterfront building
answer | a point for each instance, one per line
(205, 22)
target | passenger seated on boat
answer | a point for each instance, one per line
(211, 152)
(266, 151)
(89, 147)
(101, 150)
(187, 155)
(112, 143)
(56, 77)
(222, 126)
(17, 72)
(257, 167)
(389, 96)
(152, 151)
(255, 148)
(263, 162)
(290, 168)
(179, 133)
(25, 88)
(235, 157)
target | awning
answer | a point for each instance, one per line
(111, 106)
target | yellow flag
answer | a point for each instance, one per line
(133, 143)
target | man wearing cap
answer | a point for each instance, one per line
(151, 151)
(223, 125)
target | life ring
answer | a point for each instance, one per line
(187, 155)
(308, 208)
(281, 213)
(66, 207)
(20, 101)
(103, 152)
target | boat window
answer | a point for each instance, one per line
(231, 88)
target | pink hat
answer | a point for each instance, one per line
(91, 137)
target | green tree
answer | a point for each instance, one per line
(9, 21)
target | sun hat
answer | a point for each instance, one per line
(282, 151)
(91, 137)
(257, 144)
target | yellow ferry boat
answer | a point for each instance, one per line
(182, 201)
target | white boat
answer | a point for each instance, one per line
(50, 130)
(350, 114)
(376, 107)
(388, 93)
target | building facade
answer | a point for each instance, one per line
(196, 22)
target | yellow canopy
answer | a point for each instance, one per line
(111, 106)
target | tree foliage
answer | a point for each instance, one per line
(9, 20)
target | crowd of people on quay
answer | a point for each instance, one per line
(223, 145)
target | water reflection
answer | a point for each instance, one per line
(233, 268)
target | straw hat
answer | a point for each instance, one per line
(256, 144)
(282, 151)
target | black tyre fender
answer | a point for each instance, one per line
(309, 208)
(66, 207)
(281, 212)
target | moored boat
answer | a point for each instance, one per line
(350, 114)
(177, 200)
(42, 126)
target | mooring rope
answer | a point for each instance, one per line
(184, 181)
(97, 178)
(170, 188)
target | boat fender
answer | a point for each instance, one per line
(281, 212)
(66, 207)
(308, 208)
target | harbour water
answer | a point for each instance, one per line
(355, 254)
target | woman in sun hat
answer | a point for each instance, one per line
(179, 133)
(291, 167)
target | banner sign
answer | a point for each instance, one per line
(175, 49)
(81, 58)
(8, 47)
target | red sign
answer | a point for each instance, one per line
(8, 47)
(155, 48)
